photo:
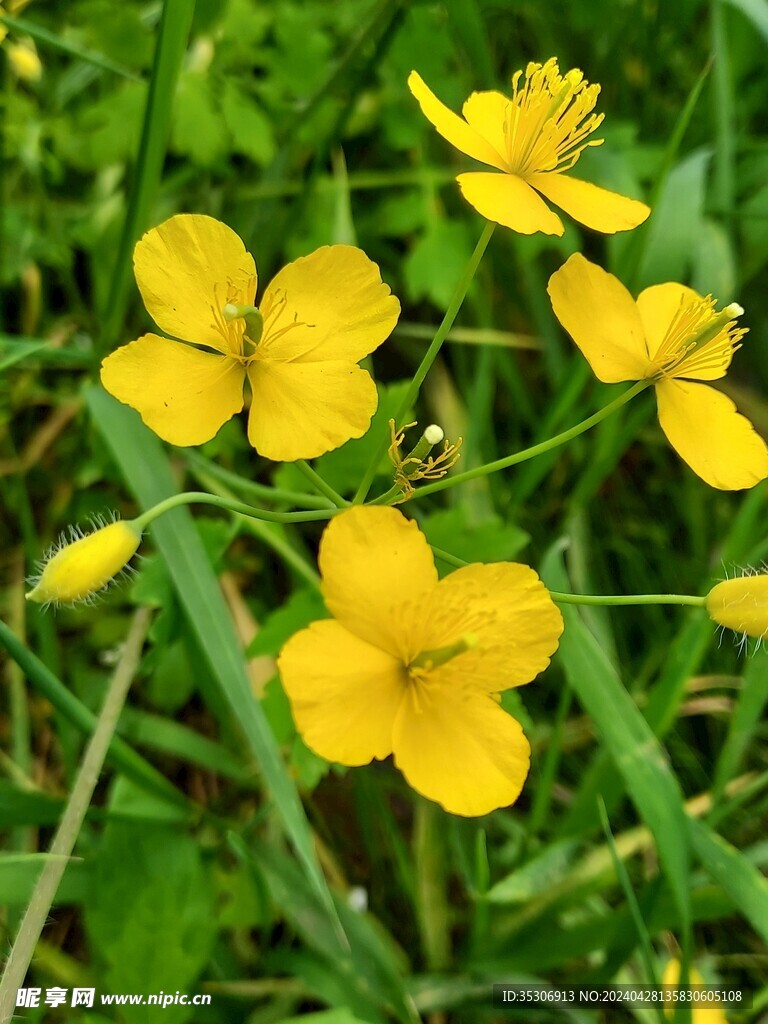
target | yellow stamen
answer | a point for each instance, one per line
(698, 340)
(547, 126)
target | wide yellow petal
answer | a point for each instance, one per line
(329, 305)
(451, 126)
(486, 112)
(301, 410)
(601, 316)
(460, 748)
(344, 692)
(507, 610)
(184, 395)
(377, 570)
(187, 270)
(589, 204)
(720, 445)
(506, 199)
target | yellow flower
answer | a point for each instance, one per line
(413, 666)
(318, 317)
(22, 55)
(708, 1013)
(77, 570)
(741, 604)
(671, 337)
(534, 138)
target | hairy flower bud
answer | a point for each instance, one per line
(78, 570)
(741, 604)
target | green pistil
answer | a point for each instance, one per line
(254, 321)
(441, 655)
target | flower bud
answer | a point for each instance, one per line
(741, 604)
(79, 569)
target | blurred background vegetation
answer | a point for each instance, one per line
(290, 120)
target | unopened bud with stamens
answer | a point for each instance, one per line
(741, 604)
(254, 321)
(78, 570)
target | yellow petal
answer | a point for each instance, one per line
(333, 304)
(720, 445)
(451, 126)
(707, 1014)
(508, 200)
(184, 395)
(589, 204)
(301, 410)
(600, 315)
(344, 693)
(460, 748)
(486, 112)
(658, 306)
(187, 270)
(508, 611)
(377, 571)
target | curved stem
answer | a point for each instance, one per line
(537, 449)
(203, 498)
(627, 599)
(319, 484)
(431, 354)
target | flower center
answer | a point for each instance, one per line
(546, 125)
(230, 295)
(698, 341)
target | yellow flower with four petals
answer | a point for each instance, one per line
(673, 338)
(412, 666)
(299, 350)
(533, 137)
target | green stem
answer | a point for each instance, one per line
(264, 492)
(431, 354)
(537, 449)
(628, 599)
(71, 821)
(319, 484)
(240, 508)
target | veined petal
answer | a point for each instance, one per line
(509, 612)
(589, 204)
(718, 443)
(508, 200)
(460, 748)
(301, 410)
(184, 395)
(451, 126)
(657, 306)
(187, 270)
(329, 305)
(486, 112)
(344, 692)
(602, 318)
(377, 570)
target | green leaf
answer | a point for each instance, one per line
(756, 11)
(435, 263)
(301, 608)
(634, 749)
(250, 128)
(492, 540)
(530, 880)
(198, 128)
(149, 881)
(742, 881)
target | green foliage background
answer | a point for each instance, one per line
(291, 122)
